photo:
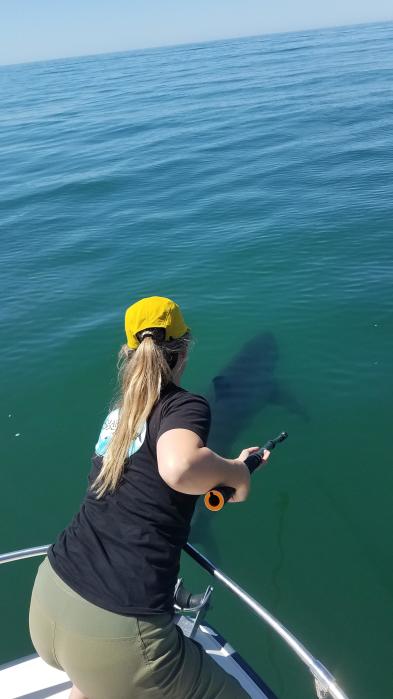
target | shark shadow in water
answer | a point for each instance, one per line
(247, 385)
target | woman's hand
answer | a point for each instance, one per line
(242, 485)
(265, 457)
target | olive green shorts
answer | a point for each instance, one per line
(110, 656)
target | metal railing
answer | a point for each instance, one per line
(325, 684)
(23, 553)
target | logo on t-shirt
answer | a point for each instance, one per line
(107, 432)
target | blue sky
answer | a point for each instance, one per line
(39, 29)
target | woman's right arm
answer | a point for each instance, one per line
(189, 467)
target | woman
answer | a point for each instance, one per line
(102, 603)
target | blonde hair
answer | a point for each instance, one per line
(143, 373)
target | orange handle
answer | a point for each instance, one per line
(215, 499)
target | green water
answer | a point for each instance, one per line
(251, 181)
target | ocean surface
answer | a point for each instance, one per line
(252, 181)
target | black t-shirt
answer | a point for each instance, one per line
(122, 551)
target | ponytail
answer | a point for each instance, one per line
(143, 373)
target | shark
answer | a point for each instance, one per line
(246, 386)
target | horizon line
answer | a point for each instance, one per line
(193, 43)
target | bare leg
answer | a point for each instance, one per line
(76, 693)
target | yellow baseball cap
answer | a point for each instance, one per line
(154, 312)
